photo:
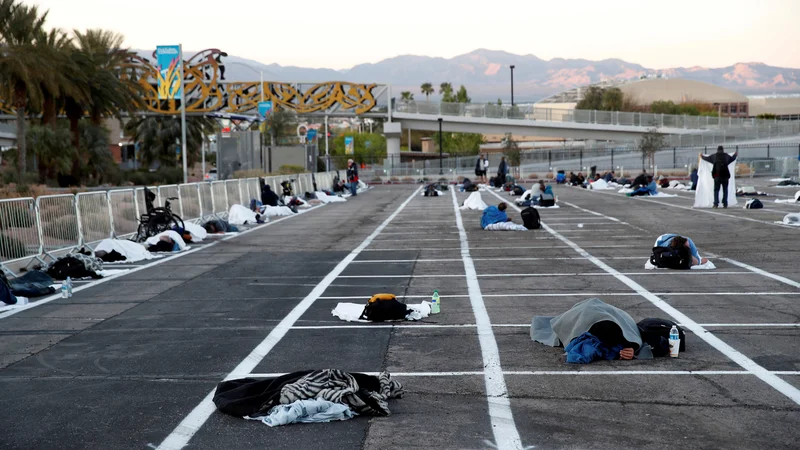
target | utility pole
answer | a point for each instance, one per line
(441, 144)
(183, 117)
(512, 85)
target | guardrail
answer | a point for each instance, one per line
(36, 229)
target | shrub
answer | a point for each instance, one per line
(61, 228)
(12, 248)
(252, 173)
(289, 169)
(376, 179)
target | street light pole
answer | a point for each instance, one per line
(512, 86)
(441, 170)
(183, 117)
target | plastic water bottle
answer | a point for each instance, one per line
(436, 303)
(674, 342)
(69, 286)
(64, 290)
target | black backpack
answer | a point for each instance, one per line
(518, 190)
(530, 218)
(383, 307)
(671, 258)
(547, 200)
(430, 191)
(754, 203)
(655, 332)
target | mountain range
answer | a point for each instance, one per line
(485, 74)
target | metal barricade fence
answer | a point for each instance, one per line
(206, 200)
(170, 191)
(58, 221)
(191, 209)
(20, 235)
(254, 188)
(123, 213)
(94, 217)
(234, 194)
(220, 196)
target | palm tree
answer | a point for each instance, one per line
(427, 89)
(406, 96)
(445, 87)
(57, 47)
(159, 136)
(22, 67)
(98, 57)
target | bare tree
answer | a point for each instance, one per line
(649, 144)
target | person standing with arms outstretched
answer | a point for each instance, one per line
(721, 173)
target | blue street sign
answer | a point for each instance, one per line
(264, 108)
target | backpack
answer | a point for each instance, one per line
(383, 307)
(518, 190)
(753, 203)
(430, 191)
(530, 218)
(547, 200)
(671, 258)
(655, 333)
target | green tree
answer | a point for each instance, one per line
(160, 137)
(57, 48)
(651, 142)
(461, 95)
(53, 150)
(663, 107)
(97, 163)
(278, 124)
(592, 99)
(427, 89)
(367, 148)
(446, 89)
(499, 102)
(512, 151)
(612, 99)
(22, 67)
(766, 116)
(406, 96)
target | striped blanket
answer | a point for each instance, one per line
(341, 387)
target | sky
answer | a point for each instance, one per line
(657, 34)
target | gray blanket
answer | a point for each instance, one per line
(560, 330)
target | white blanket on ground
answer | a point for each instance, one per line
(239, 215)
(675, 184)
(707, 266)
(600, 184)
(792, 219)
(474, 201)
(198, 233)
(109, 272)
(796, 199)
(546, 207)
(132, 251)
(625, 190)
(505, 226)
(661, 194)
(704, 195)
(325, 198)
(271, 211)
(351, 312)
(172, 235)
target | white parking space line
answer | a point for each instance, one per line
(579, 294)
(748, 364)
(558, 373)
(499, 247)
(753, 269)
(706, 273)
(184, 432)
(519, 325)
(505, 430)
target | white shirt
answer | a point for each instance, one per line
(485, 163)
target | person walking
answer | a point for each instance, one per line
(352, 176)
(502, 171)
(721, 173)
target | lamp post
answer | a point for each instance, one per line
(441, 170)
(512, 85)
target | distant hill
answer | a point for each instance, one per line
(485, 73)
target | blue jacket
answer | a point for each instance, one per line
(587, 348)
(665, 239)
(493, 215)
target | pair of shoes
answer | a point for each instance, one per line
(715, 206)
(725, 206)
